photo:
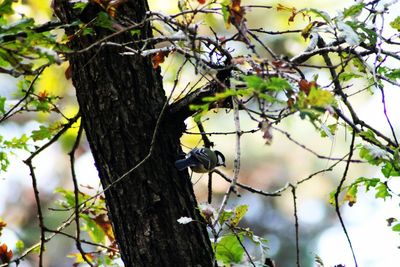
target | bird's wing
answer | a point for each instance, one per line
(201, 155)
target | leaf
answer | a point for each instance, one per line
(95, 232)
(2, 225)
(277, 84)
(19, 245)
(393, 74)
(370, 136)
(293, 10)
(395, 24)
(239, 212)
(6, 7)
(201, 110)
(305, 86)
(320, 98)
(254, 81)
(236, 12)
(369, 35)
(328, 130)
(4, 162)
(273, 83)
(396, 227)
(373, 154)
(68, 198)
(388, 170)
(307, 30)
(104, 20)
(351, 195)
(324, 15)
(359, 64)
(347, 76)
(382, 191)
(104, 223)
(225, 216)
(5, 254)
(158, 58)
(225, 13)
(229, 250)
(41, 134)
(18, 143)
(232, 12)
(353, 10)
(80, 6)
(2, 105)
(349, 34)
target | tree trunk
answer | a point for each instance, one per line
(121, 98)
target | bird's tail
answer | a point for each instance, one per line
(181, 164)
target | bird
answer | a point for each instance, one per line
(201, 160)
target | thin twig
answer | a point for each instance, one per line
(236, 164)
(338, 190)
(76, 196)
(39, 210)
(27, 93)
(249, 188)
(296, 224)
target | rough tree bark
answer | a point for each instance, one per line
(120, 100)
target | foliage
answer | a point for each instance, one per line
(255, 81)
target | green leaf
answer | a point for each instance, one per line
(225, 12)
(373, 154)
(396, 227)
(347, 76)
(18, 143)
(388, 170)
(19, 245)
(225, 216)
(229, 250)
(359, 64)
(6, 7)
(395, 24)
(273, 83)
(328, 130)
(93, 229)
(41, 134)
(4, 162)
(254, 81)
(353, 10)
(68, 198)
(135, 32)
(277, 84)
(393, 74)
(2, 105)
(370, 136)
(103, 20)
(369, 35)
(382, 191)
(270, 98)
(79, 6)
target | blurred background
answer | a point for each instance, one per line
(266, 167)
